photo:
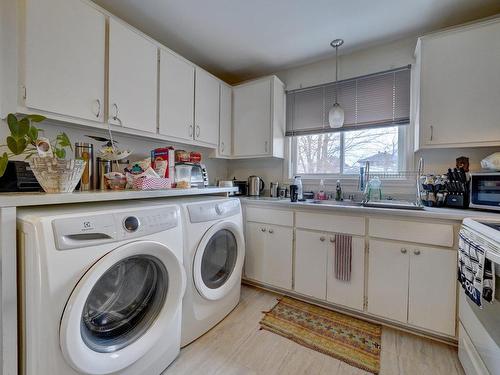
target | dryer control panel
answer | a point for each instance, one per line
(95, 229)
(208, 211)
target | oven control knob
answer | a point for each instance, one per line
(131, 224)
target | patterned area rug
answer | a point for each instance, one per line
(348, 339)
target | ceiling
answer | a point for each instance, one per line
(241, 39)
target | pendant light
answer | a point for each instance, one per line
(336, 113)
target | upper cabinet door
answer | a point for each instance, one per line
(459, 87)
(133, 79)
(176, 96)
(206, 112)
(65, 58)
(225, 133)
(252, 119)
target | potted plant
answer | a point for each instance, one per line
(54, 173)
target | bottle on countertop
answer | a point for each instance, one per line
(298, 182)
(338, 191)
(321, 195)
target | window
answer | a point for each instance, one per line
(377, 112)
(342, 153)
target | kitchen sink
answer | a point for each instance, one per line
(336, 203)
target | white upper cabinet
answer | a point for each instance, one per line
(456, 87)
(133, 79)
(259, 118)
(65, 58)
(176, 96)
(206, 110)
(225, 128)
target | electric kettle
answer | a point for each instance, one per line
(255, 186)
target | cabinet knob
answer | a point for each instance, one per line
(271, 231)
(116, 116)
(222, 147)
(197, 131)
(432, 133)
(416, 252)
(403, 251)
(322, 238)
(190, 130)
(262, 229)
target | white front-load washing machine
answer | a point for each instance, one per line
(101, 288)
(214, 250)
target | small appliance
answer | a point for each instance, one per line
(242, 187)
(255, 186)
(485, 190)
(199, 175)
(18, 177)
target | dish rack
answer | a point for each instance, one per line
(400, 175)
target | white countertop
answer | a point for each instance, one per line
(427, 212)
(39, 199)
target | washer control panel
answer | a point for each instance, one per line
(208, 211)
(95, 229)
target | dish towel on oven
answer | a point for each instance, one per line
(475, 272)
(343, 257)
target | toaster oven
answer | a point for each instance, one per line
(485, 190)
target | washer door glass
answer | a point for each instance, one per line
(124, 303)
(219, 259)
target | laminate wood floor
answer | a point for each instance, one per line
(237, 346)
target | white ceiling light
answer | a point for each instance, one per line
(336, 113)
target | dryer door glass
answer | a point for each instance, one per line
(219, 259)
(124, 303)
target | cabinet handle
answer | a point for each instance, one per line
(265, 146)
(115, 116)
(416, 252)
(98, 114)
(190, 127)
(222, 147)
(432, 133)
(262, 229)
(332, 239)
(322, 238)
(197, 131)
(271, 231)
(403, 251)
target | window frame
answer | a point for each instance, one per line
(405, 160)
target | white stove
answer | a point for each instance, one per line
(479, 328)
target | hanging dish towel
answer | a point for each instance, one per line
(475, 272)
(343, 257)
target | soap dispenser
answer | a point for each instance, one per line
(338, 191)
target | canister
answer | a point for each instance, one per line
(85, 151)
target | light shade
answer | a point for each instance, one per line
(336, 116)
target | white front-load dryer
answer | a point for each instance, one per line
(101, 288)
(214, 252)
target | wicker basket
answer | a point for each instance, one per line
(57, 175)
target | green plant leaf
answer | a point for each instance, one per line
(15, 129)
(63, 140)
(24, 126)
(60, 153)
(36, 118)
(17, 146)
(33, 134)
(4, 159)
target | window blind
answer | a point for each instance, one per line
(380, 99)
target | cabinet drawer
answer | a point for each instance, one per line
(331, 223)
(412, 231)
(265, 215)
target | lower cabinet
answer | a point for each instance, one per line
(268, 256)
(413, 284)
(348, 293)
(311, 253)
